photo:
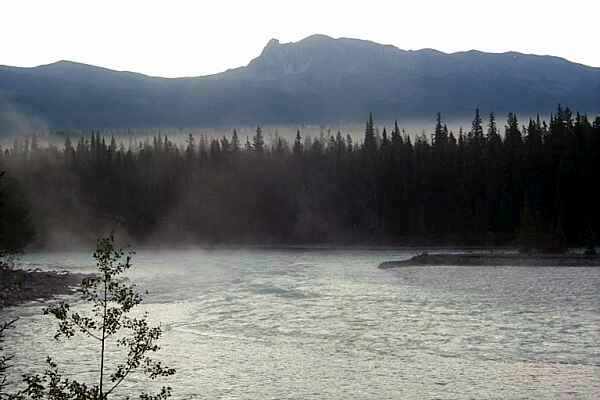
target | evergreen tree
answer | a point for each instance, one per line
(258, 142)
(69, 151)
(370, 141)
(340, 145)
(190, 150)
(476, 133)
(440, 135)
(384, 139)
(492, 127)
(298, 147)
(235, 142)
(513, 137)
(280, 147)
(349, 144)
(396, 137)
(113, 145)
(225, 145)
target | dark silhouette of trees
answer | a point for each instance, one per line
(531, 183)
(16, 228)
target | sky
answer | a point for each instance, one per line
(190, 38)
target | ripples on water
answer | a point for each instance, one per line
(274, 324)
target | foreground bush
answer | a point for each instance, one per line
(108, 323)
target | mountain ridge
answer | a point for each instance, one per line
(317, 79)
(274, 42)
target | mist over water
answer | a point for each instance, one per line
(301, 324)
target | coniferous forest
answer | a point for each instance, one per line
(525, 183)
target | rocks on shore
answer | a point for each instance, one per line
(20, 286)
(489, 259)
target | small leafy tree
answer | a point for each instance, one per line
(108, 323)
(6, 265)
(4, 360)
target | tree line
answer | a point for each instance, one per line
(529, 184)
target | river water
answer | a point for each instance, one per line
(327, 324)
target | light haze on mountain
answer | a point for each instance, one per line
(316, 80)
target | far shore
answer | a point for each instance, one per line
(496, 260)
(18, 286)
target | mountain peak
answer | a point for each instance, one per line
(60, 63)
(317, 37)
(271, 44)
(67, 65)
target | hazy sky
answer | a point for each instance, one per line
(182, 38)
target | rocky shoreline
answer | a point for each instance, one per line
(496, 260)
(19, 286)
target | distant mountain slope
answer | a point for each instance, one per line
(318, 79)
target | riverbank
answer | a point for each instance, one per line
(496, 260)
(20, 286)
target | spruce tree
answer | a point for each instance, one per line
(370, 141)
(396, 137)
(349, 144)
(440, 135)
(235, 142)
(298, 147)
(492, 127)
(476, 133)
(340, 145)
(258, 142)
(190, 150)
(513, 137)
(384, 139)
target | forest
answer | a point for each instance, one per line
(530, 185)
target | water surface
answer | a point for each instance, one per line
(327, 324)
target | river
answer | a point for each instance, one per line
(327, 324)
